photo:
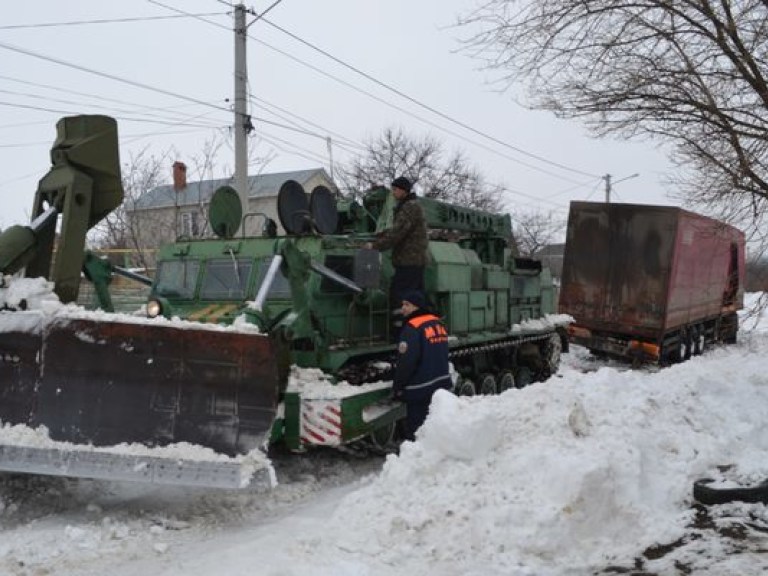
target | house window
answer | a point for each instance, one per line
(189, 224)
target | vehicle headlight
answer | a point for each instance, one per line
(154, 308)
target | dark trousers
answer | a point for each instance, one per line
(416, 411)
(404, 279)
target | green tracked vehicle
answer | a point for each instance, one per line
(248, 340)
(323, 300)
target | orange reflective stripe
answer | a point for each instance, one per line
(419, 320)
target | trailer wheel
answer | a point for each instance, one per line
(699, 341)
(506, 381)
(729, 328)
(681, 349)
(488, 385)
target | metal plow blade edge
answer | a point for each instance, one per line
(116, 466)
(102, 383)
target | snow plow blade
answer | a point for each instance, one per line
(117, 466)
(102, 383)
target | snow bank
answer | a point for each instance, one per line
(577, 472)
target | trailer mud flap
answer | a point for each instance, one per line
(104, 383)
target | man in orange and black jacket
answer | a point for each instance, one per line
(422, 365)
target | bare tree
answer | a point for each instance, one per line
(690, 72)
(202, 167)
(534, 230)
(119, 230)
(424, 162)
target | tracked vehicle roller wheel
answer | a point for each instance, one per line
(465, 387)
(488, 385)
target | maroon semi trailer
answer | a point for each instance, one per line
(650, 283)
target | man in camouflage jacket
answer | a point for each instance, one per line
(408, 241)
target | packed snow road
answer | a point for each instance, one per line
(77, 527)
(588, 473)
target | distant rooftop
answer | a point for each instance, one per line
(259, 186)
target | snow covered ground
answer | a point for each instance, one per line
(588, 473)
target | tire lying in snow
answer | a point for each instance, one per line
(704, 493)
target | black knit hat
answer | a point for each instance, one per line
(402, 182)
(415, 297)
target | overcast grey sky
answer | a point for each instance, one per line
(54, 65)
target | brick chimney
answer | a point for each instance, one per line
(179, 176)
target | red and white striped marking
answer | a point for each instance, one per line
(321, 422)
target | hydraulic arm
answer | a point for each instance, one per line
(82, 186)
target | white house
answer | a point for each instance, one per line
(166, 213)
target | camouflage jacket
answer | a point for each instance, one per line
(408, 236)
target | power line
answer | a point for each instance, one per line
(303, 152)
(122, 118)
(77, 104)
(299, 130)
(196, 101)
(24, 124)
(349, 141)
(295, 128)
(593, 190)
(411, 114)
(25, 144)
(171, 109)
(531, 196)
(570, 189)
(131, 82)
(381, 100)
(109, 76)
(189, 14)
(425, 106)
(19, 178)
(129, 138)
(260, 16)
(104, 21)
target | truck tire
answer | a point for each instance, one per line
(729, 327)
(552, 353)
(706, 494)
(699, 341)
(686, 346)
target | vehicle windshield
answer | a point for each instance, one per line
(280, 288)
(177, 278)
(226, 279)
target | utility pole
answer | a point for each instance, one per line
(242, 123)
(329, 144)
(609, 185)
